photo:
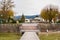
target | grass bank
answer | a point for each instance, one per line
(50, 36)
(9, 36)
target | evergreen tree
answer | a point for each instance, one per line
(22, 18)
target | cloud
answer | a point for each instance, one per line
(31, 7)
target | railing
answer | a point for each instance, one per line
(29, 31)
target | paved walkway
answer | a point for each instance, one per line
(29, 36)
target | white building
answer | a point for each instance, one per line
(27, 20)
(35, 20)
(38, 19)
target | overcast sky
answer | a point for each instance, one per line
(32, 7)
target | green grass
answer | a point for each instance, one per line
(9, 36)
(54, 36)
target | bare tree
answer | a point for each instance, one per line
(49, 13)
(5, 7)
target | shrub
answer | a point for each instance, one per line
(58, 21)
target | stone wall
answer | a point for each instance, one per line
(10, 27)
(51, 27)
(16, 27)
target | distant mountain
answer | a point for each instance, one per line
(27, 17)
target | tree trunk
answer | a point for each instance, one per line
(50, 21)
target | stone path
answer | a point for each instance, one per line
(29, 36)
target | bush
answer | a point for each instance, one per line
(58, 21)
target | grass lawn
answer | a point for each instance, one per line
(9, 36)
(52, 36)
